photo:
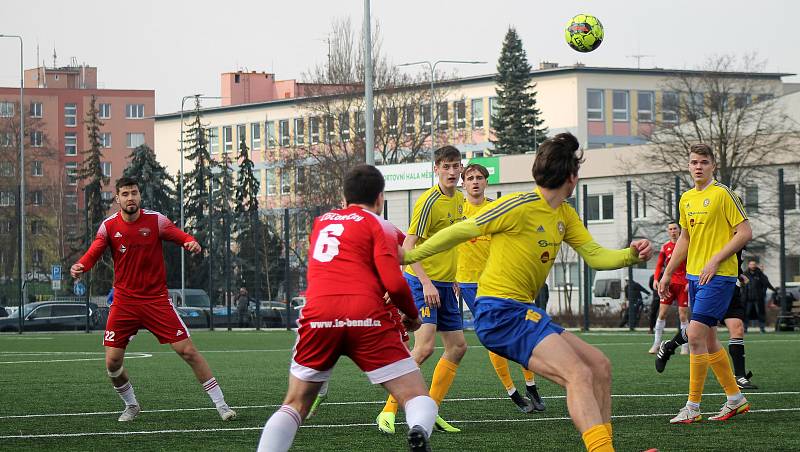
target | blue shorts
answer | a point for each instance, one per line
(446, 317)
(468, 292)
(511, 328)
(711, 300)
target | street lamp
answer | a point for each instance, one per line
(183, 253)
(432, 67)
(21, 199)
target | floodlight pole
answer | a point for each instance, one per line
(369, 146)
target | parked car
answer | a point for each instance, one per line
(196, 298)
(52, 316)
(272, 313)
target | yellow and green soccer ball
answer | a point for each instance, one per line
(584, 33)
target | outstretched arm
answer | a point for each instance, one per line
(443, 240)
(600, 258)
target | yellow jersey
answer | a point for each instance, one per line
(710, 216)
(433, 212)
(473, 253)
(526, 237)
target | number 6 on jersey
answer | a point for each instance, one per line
(327, 246)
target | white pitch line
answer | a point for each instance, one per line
(99, 358)
(371, 402)
(240, 429)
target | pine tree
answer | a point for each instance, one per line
(91, 172)
(158, 193)
(246, 227)
(517, 123)
(197, 214)
(222, 209)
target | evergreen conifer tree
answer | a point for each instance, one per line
(197, 213)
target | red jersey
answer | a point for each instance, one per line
(679, 275)
(354, 252)
(139, 273)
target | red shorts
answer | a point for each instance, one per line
(126, 318)
(397, 318)
(677, 292)
(356, 326)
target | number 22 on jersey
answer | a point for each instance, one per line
(327, 245)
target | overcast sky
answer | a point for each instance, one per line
(181, 47)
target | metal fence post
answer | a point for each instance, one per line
(632, 320)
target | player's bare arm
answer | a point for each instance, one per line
(76, 270)
(740, 238)
(192, 247)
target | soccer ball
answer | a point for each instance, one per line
(584, 33)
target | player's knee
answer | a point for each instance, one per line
(422, 352)
(602, 369)
(458, 350)
(114, 367)
(579, 373)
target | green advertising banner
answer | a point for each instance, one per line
(492, 164)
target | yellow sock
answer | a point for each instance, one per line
(391, 405)
(443, 377)
(529, 376)
(698, 370)
(597, 439)
(501, 368)
(610, 430)
(721, 366)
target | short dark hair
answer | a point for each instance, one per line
(363, 184)
(475, 167)
(446, 153)
(675, 222)
(126, 181)
(704, 150)
(557, 159)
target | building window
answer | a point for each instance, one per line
(391, 121)
(600, 208)
(37, 256)
(442, 116)
(227, 138)
(283, 126)
(36, 110)
(6, 109)
(640, 205)
(286, 176)
(37, 139)
(37, 197)
(255, 135)
(408, 120)
(425, 116)
(299, 178)
(71, 203)
(565, 274)
(257, 177)
(104, 111)
(134, 140)
(696, 105)
(105, 139)
(213, 140)
(7, 169)
(37, 227)
(6, 139)
(741, 100)
(493, 106)
(763, 97)
(241, 135)
(299, 131)
(477, 113)
(271, 187)
(669, 107)
(7, 198)
(134, 111)
(669, 205)
(594, 105)
(37, 168)
(460, 111)
(361, 125)
(107, 196)
(330, 129)
(344, 127)
(790, 197)
(646, 109)
(70, 115)
(105, 167)
(269, 129)
(620, 101)
(313, 130)
(71, 170)
(751, 199)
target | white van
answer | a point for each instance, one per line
(607, 290)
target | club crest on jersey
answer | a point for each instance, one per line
(460, 210)
(122, 249)
(545, 257)
(117, 235)
(561, 227)
(144, 232)
(706, 202)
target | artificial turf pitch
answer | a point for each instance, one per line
(54, 395)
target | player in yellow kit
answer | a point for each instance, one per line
(527, 230)
(433, 285)
(472, 256)
(714, 228)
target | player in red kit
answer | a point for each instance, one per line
(678, 291)
(140, 292)
(352, 263)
